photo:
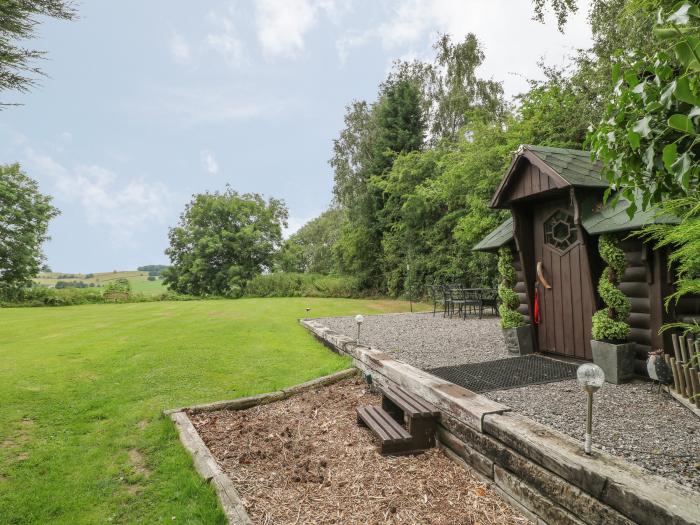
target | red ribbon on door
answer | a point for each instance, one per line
(536, 313)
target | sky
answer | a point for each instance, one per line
(149, 102)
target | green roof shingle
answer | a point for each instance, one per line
(573, 165)
(597, 218)
(497, 238)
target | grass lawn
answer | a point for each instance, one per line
(143, 285)
(82, 388)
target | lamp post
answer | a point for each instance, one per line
(359, 320)
(591, 378)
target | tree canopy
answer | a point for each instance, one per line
(222, 241)
(25, 214)
(19, 22)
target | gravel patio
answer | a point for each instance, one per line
(649, 429)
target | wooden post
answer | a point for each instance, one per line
(681, 378)
(697, 353)
(696, 387)
(676, 348)
(671, 361)
(688, 381)
(684, 352)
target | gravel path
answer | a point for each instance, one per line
(426, 341)
(651, 430)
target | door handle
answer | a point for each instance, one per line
(540, 276)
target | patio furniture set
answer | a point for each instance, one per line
(459, 300)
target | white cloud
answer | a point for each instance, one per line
(209, 162)
(123, 208)
(224, 40)
(179, 48)
(283, 24)
(512, 41)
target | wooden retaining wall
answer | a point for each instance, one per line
(542, 472)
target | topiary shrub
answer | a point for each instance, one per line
(610, 324)
(510, 317)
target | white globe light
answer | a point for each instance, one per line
(590, 377)
(359, 319)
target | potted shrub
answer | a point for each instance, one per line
(610, 330)
(517, 333)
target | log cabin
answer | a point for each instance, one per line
(557, 213)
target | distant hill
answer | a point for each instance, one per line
(139, 279)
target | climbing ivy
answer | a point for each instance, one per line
(610, 323)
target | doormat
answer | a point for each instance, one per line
(504, 374)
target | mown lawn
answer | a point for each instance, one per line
(82, 388)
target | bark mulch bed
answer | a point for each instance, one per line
(305, 460)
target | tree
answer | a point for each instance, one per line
(18, 21)
(222, 241)
(310, 250)
(25, 214)
(457, 93)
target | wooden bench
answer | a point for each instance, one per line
(404, 423)
(393, 438)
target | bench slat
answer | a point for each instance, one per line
(382, 424)
(412, 405)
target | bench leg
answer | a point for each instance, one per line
(423, 431)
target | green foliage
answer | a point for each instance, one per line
(649, 138)
(310, 250)
(606, 329)
(223, 241)
(510, 317)
(684, 241)
(71, 296)
(610, 324)
(458, 93)
(121, 285)
(283, 284)
(18, 23)
(25, 214)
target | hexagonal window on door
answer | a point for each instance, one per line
(560, 230)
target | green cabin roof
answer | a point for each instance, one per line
(497, 238)
(597, 218)
(573, 165)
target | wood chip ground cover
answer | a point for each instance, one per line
(305, 460)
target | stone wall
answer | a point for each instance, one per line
(539, 470)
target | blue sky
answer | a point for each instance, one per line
(148, 102)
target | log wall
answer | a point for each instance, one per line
(637, 283)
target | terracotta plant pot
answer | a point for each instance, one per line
(519, 340)
(616, 360)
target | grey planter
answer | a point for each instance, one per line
(519, 340)
(617, 361)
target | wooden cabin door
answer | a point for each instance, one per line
(566, 306)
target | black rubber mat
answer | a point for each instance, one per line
(504, 374)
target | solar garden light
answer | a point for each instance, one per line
(359, 320)
(591, 378)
